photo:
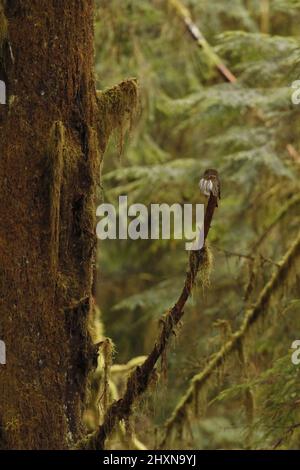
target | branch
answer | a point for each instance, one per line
(251, 316)
(139, 379)
(289, 432)
(117, 106)
(196, 34)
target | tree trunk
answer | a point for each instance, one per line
(49, 172)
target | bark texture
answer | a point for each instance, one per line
(49, 174)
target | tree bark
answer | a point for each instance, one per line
(49, 174)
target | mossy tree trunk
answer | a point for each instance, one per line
(49, 174)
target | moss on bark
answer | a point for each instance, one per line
(49, 172)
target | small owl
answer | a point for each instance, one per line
(210, 183)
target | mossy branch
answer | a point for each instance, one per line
(130, 440)
(232, 345)
(140, 378)
(125, 368)
(196, 34)
(117, 107)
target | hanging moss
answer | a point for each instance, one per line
(117, 108)
(95, 325)
(108, 349)
(248, 393)
(205, 267)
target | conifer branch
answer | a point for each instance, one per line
(196, 34)
(251, 316)
(140, 378)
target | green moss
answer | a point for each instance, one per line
(205, 267)
(117, 107)
(55, 154)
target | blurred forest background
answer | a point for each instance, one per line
(191, 118)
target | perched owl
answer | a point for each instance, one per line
(210, 183)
